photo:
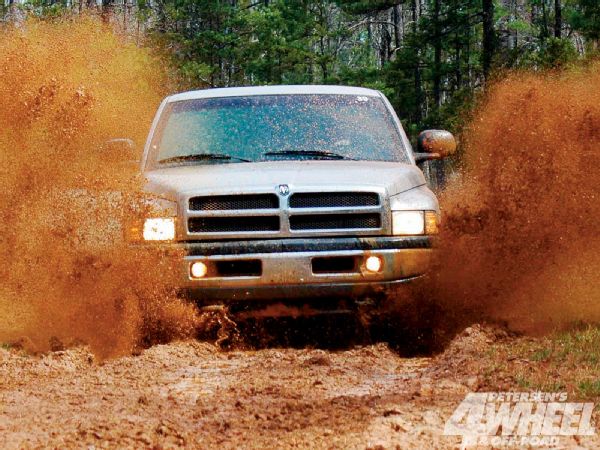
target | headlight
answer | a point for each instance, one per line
(159, 229)
(406, 223)
(410, 223)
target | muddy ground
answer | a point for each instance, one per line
(192, 394)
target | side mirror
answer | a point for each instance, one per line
(117, 144)
(434, 144)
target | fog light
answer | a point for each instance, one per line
(373, 264)
(198, 270)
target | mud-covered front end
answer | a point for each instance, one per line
(291, 230)
(304, 267)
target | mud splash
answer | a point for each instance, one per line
(67, 273)
(520, 242)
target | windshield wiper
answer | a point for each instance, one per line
(317, 153)
(202, 157)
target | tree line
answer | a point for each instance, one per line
(429, 56)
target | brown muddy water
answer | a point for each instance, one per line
(67, 275)
(520, 243)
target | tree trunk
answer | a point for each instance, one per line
(106, 10)
(544, 31)
(396, 21)
(418, 88)
(467, 54)
(457, 57)
(557, 19)
(437, 55)
(489, 37)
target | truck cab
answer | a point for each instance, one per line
(290, 192)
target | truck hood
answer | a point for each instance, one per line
(173, 182)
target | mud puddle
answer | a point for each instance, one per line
(193, 395)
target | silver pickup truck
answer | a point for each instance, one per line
(285, 193)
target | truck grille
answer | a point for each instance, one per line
(274, 216)
(233, 224)
(336, 222)
(333, 199)
(232, 202)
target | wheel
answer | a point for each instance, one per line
(405, 320)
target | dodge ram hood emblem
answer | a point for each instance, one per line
(283, 189)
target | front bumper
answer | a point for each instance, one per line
(287, 267)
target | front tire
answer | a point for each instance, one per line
(406, 320)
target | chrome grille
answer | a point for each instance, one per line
(233, 224)
(336, 222)
(333, 199)
(232, 202)
(267, 215)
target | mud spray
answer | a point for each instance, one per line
(67, 274)
(519, 244)
(521, 238)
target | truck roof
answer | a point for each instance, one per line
(272, 90)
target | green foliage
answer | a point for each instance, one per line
(584, 15)
(589, 388)
(366, 6)
(541, 355)
(519, 25)
(556, 53)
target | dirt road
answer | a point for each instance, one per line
(191, 394)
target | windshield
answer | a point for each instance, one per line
(276, 127)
